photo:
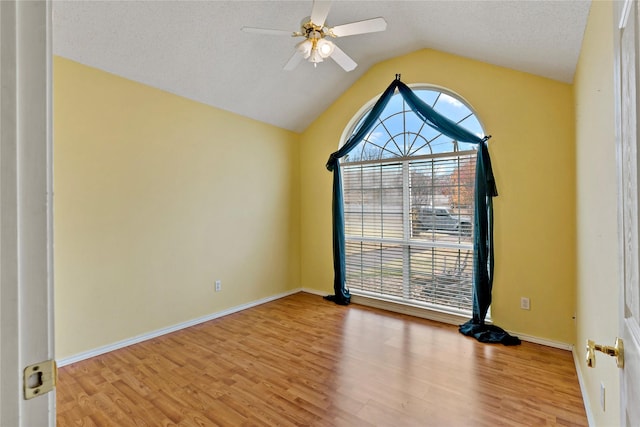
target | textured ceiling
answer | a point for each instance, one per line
(196, 49)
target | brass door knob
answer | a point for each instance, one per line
(616, 351)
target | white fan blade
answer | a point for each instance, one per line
(293, 61)
(367, 26)
(342, 59)
(320, 11)
(267, 31)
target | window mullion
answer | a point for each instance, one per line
(406, 231)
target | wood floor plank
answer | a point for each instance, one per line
(303, 361)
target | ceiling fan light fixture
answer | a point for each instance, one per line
(305, 47)
(325, 48)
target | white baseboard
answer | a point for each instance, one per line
(159, 332)
(451, 319)
(315, 292)
(583, 388)
(542, 341)
(434, 315)
(437, 316)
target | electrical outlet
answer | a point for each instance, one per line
(525, 303)
(218, 285)
(602, 397)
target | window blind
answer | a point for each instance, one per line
(408, 225)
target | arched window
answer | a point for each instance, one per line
(408, 205)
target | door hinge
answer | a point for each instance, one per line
(40, 378)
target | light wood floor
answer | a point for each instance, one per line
(301, 361)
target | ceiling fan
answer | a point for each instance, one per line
(316, 46)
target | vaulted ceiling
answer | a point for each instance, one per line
(195, 49)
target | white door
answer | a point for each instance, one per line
(26, 300)
(626, 22)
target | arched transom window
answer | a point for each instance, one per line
(408, 204)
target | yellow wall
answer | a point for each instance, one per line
(156, 197)
(596, 188)
(532, 123)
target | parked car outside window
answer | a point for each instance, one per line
(439, 219)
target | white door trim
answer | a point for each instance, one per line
(26, 276)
